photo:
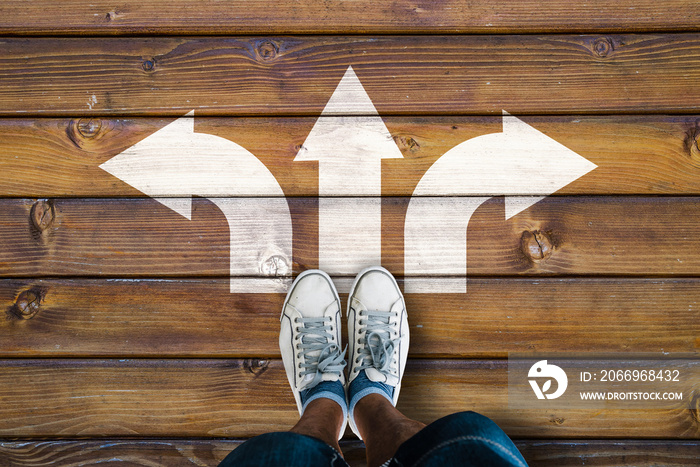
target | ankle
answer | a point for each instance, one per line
(322, 419)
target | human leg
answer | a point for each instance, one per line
(310, 347)
(378, 342)
(463, 439)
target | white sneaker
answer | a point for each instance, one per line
(378, 331)
(310, 340)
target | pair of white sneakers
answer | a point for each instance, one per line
(310, 334)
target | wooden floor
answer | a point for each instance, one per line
(135, 333)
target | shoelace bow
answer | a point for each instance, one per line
(379, 349)
(320, 354)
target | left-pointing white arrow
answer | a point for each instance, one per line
(176, 162)
(349, 140)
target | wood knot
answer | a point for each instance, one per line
(28, 303)
(256, 366)
(267, 50)
(603, 46)
(275, 265)
(556, 420)
(406, 143)
(536, 245)
(84, 129)
(41, 216)
(148, 65)
(692, 144)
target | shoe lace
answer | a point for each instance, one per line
(321, 356)
(378, 351)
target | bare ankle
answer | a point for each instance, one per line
(322, 419)
(383, 427)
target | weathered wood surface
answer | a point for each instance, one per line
(235, 398)
(601, 453)
(209, 452)
(634, 154)
(139, 237)
(410, 75)
(180, 318)
(344, 17)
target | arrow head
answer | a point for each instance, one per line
(176, 162)
(349, 147)
(143, 166)
(539, 161)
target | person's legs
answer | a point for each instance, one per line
(378, 339)
(310, 347)
(383, 428)
(313, 441)
(322, 419)
(464, 439)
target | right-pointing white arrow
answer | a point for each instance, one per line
(521, 161)
(349, 150)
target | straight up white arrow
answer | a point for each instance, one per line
(175, 161)
(349, 140)
(521, 161)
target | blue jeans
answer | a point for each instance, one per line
(461, 439)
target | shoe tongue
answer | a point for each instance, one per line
(375, 375)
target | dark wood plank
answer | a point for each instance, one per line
(234, 398)
(634, 154)
(337, 16)
(409, 75)
(180, 318)
(209, 452)
(559, 235)
(611, 453)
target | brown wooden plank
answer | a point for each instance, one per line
(337, 16)
(234, 398)
(634, 154)
(209, 452)
(647, 453)
(179, 318)
(559, 235)
(409, 75)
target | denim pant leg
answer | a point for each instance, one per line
(283, 449)
(461, 439)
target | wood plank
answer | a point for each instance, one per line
(601, 453)
(559, 235)
(340, 17)
(634, 154)
(408, 75)
(181, 318)
(214, 398)
(209, 452)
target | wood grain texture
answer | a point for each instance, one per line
(181, 318)
(634, 154)
(338, 16)
(559, 235)
(409, 75)
(209, 452)
(235, 398)
(647, 453)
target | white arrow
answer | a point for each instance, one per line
(349, 150)
(520, 161)
(175, 161)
